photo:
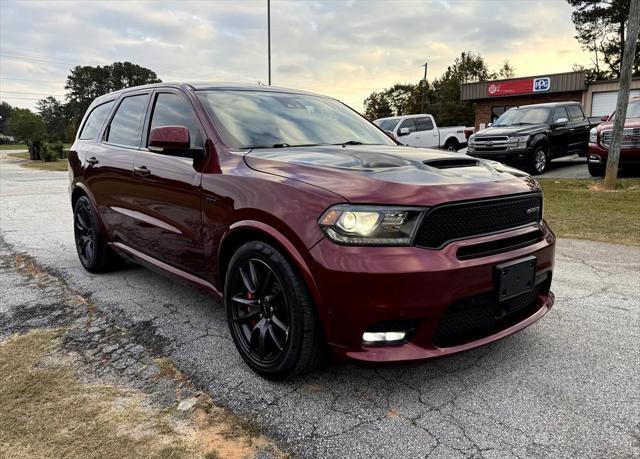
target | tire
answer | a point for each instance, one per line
(93, 251)
(452, 145)
(596, 170)
(539, 161)
(271, 316)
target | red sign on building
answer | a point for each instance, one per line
(523, 86)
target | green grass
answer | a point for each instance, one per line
(13, 147)
(18, 155)
(580, 209)
(60, 165)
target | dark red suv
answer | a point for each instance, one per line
(318, 230)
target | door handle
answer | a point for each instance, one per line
(142, 170)
(92, 160)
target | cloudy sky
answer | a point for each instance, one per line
(346, 49)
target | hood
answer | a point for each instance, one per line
(526, 129)
(386, 174)
(629, 123)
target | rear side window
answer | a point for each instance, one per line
(424, 124)
(408, 123)
(95, 120)
(126, 125)
(575, 112)
(172, 110)
(560, 113)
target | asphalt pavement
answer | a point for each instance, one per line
(563, 387)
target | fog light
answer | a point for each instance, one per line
(594, 158)
(383, 337)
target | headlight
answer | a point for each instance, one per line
(593, 136)
(472, 139)
(520, 141)
(370, 225)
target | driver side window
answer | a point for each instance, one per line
(172, 110)
(408, 123)
(560, 113)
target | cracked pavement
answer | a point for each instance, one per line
(562, 387)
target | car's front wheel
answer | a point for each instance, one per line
(539, 160)
(271, 315)
(596, 170)
(93, 251)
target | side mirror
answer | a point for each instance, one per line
(561, 122)
(174, 141)
(403, 131)
(604, 118)
(489, 124)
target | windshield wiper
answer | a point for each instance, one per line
(349, 142)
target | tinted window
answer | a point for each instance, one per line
(559, 113)
(261, 119)
(516, 116)
(173, 110)
(94, 122)
(408, 123)
(388, 124)
(127, 122)
(575, 112)
(424, 124)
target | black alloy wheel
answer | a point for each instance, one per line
(260, 310)
(94, 253)
(271, 316)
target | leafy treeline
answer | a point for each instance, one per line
(441, 96)
(57, 121)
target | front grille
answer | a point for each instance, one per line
(482, 315)
(495, 143)
(501, 245)
(630, 138)
(463, 220)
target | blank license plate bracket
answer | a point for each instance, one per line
(515, 277)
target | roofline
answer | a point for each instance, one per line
(542, 75)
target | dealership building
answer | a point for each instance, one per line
(492, 98)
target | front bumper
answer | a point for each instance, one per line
(599, 155)
(363, 287)
(513, 156)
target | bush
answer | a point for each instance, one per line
(50, 152)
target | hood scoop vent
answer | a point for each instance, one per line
(452, 163)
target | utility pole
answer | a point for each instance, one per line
(626, 66)
(269, 37)
(424, 88)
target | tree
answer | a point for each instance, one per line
(505, 72)
(85, 83)
(5, 114)
(377, 106)
(601, 29)
(55, 117)
(28, 127)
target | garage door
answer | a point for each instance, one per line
(604, 103)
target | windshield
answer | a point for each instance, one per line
(389, 124)
(523, 116)
(264, 119)
(633, 111)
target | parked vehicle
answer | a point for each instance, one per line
(320, 233)
(422, 131)
(531, 135)
(600, 141)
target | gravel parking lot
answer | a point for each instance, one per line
(563, 387)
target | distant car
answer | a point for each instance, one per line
(600, 141)
(422, 131)
(317, 229)
(530, 136)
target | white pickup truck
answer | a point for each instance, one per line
(422, 131)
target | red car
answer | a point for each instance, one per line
(600, 141)
(320, 232)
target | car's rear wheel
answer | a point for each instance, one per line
(539, 160)
(271, 315)
(93, 251)
(452, 145)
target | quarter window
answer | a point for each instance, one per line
(408, 123)
(172, 110)
(95, 120)
(575, 112)
(126, 125)
(424, 124)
